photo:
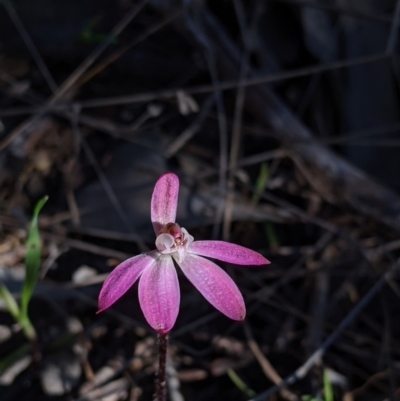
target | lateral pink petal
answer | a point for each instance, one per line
(227, 252)
(164, 201)
(159, 294)
(123, 277)
(215, 285)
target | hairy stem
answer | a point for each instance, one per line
(162, 359)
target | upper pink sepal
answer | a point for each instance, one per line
(215, 285)
(164, 201)
(123, 277)
(227, 252)
(159, 294)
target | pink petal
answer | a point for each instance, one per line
(159, 294)
(227, 252)
(123, 277)
(215, 285)
(164, 201)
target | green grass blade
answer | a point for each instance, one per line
(27, 328)
(272, 238)
(308, 397)
(11, 303)
(261, 182)
(32, 259)
(240, 384)
(328, 390)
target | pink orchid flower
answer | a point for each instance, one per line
(159, 294)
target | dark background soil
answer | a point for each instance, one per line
(281, 118)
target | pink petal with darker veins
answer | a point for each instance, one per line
(123, 277)
(215, 285)
(164, 201)
(159, 294)
(227, 252)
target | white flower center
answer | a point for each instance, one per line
(174, 240)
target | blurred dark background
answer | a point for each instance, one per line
(281, 118)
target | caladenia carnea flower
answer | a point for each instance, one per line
(159, 294)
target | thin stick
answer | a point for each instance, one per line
(265, 364)
(162, 359)
(118, 53)
(122, 24)
(237, 122)
(392, 40)
(316, 357)
(353, 12)
(189, 132)
(223, 143)
(234, 84)
(109, 190)
(30, 45)
(61, 91)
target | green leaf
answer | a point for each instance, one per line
(11, 303)
(32, 259)
(328, 390)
